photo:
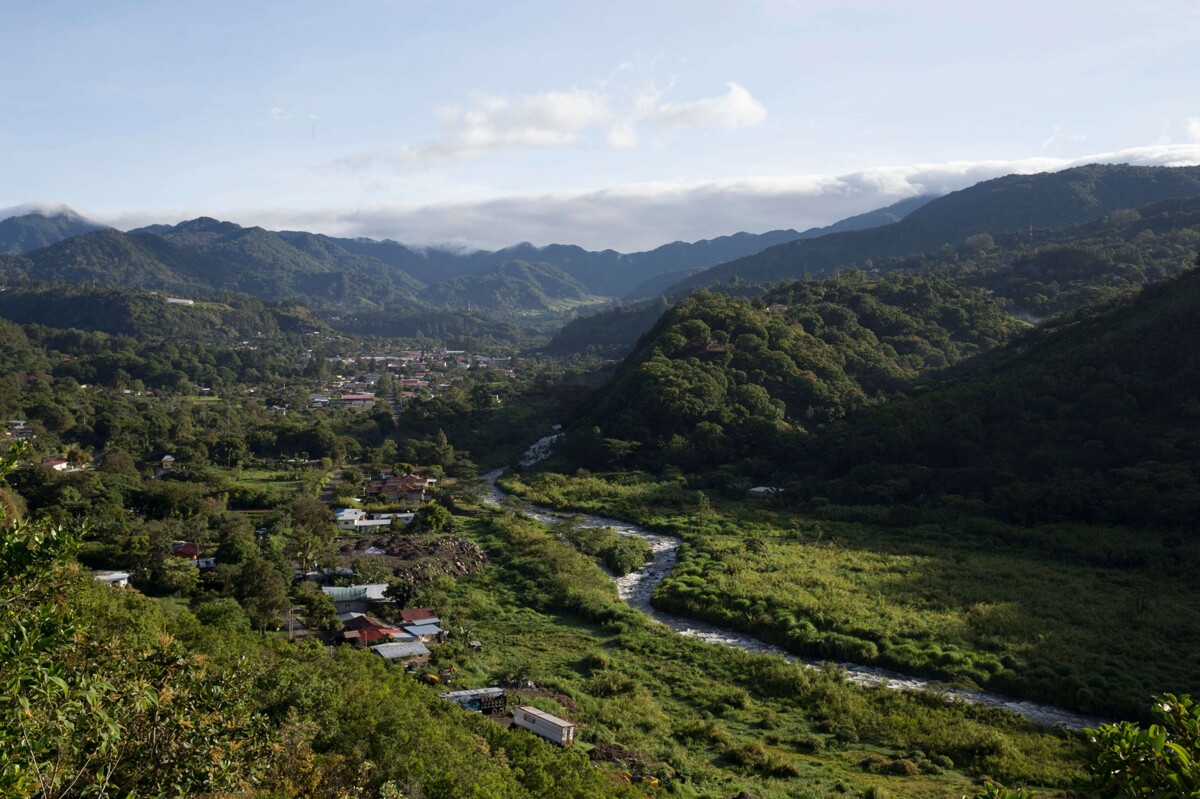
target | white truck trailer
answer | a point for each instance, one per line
(539, 722)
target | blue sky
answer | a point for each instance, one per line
(617, 124)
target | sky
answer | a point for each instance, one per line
(619, 125)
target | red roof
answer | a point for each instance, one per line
(187, 549)
(416, 614)
(369, 629)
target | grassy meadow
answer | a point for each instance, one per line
(1094, 618)
(711, 721)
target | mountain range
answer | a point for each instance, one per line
(205, 256)
(1032, 204)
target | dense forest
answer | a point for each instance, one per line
(721, 379)
(1092, 418)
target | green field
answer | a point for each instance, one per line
(709, 720)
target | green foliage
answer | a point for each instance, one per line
(1096, 618)
(84, 715)
(719, 380)
(1089, 419)
(430, 518)
(1162, 760)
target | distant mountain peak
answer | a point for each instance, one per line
(37, 225)
(206, 224)
(44, 209)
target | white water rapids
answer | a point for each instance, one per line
(637, 587)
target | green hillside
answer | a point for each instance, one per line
(719, 378)
(610, 333)
(146, 316)
(1094, 418)
(513, 287)
(1011, 204)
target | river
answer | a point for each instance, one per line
(637, 587)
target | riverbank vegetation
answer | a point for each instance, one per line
(1094, 618)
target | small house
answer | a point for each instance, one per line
(186, 549)
(119, 579)
(427, 633)
(410, 653)
(168, 462)
(57, 464)
(362, 629)
(419, 616)
(763, 492)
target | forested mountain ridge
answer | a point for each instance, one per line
(147, 316)
(32, 231)
(1093, 418)
(1043, 202)
(721, 378)
(1061, 271)
(207, 255)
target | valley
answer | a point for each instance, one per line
(866, 515)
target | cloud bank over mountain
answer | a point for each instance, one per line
(642, 216)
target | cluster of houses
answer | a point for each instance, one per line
(402, 641)
(400, 488)
(405, 641)
(417, 374)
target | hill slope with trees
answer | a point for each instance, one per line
(1011, 204)
(721, 378)
(1093, 418)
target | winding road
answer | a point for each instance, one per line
(637, 587)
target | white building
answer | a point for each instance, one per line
(357, 520)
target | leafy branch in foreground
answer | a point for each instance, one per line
(82, 715)
(1162, 760)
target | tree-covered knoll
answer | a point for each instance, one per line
(609, 333)
(720, 378)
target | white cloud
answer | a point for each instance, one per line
(575, 117)
(1193, 128)
(737, 108)
(643, 216)
(280, 113)
(1060, 135)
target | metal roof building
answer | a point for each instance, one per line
(401, 651)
